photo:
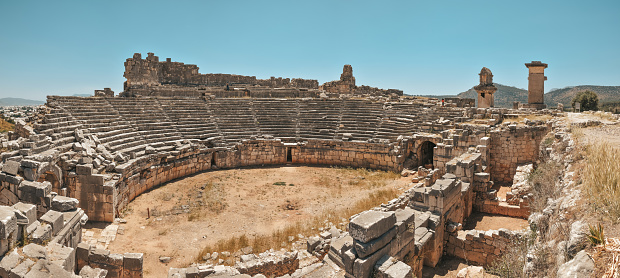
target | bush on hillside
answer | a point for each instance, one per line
(588, 100)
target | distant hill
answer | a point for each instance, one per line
(504, 96)
(565, 95)
(10, 101)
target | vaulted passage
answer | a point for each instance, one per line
(425, 154)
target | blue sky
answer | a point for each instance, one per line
(421, 47)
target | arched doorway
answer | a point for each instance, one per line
(425, 154)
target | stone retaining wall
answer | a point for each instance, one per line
(480, 247)
(513, 146)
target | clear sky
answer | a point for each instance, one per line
(421, 47)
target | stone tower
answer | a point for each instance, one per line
(347, 76)
(486, 89)
(536, 86)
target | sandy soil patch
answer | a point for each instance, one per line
(199, 210)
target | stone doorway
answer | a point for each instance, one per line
(213, 161)
(425, 154)
(289, 155)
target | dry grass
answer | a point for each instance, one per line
(544, 180)
(601, 178)
(521, 118)
(6, 126)
(280, 238)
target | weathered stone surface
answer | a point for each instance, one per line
(8, 262)
(11, 167)
(365, 249)
(21, 269)
(62, 204)
(46, 269)
(35, 251)
(8, 222)
(362, 268)
(471, 272)
(369, 225)
(42, 232)
(89, 272)
(399, 270)
(133, 261)
(61, 255)
(55, 219)
(581, 265)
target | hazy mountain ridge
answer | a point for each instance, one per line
(565, 95)
(11, 101)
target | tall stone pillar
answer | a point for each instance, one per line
(486, 89)
(536, 86)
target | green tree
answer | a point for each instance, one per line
(588, 100)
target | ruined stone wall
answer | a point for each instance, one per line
(352, 154)
(102, 202)
(480, 247)
(513, 146)
(128, 265)
(144, 76)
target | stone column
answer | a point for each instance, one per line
(536, 87)
(486, 89)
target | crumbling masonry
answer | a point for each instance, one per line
(92, 156)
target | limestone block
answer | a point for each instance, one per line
(81, 254)
(133, 261)
(365, 249)
(11, 167)
(399, 270)
(89, 272)
(61, 255)
(21, 269)
(404, 219)
(369, 225)
(348, 259)
(8, 262)
(35, 251)
(42, 233)
(8, 222)
(45, 268)
(32, 190)
(86, 169)
(362, 268)
(382, 266)
(55, 219)
(62, 204)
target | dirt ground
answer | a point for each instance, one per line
(227, 203)
(485, 221)
(448, 267)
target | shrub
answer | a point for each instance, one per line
(588, 100)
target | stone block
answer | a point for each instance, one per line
(21, 269)
(399, 270)
(85, 169)
(405, 219)
(362, 268)
(11, 167)
(45, 268)
(42, 233)
(35, 251)
(31, 190)
(8, 262)
(62, 204)
(369, 225)
(366, 249)
(133, 261)
(348, 259)
(55, 219)
(8, 222)
(61, 255)
(89, 272)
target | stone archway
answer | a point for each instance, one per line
(425, 154)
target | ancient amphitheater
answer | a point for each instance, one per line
(86, 158)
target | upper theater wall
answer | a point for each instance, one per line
(149, 72)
